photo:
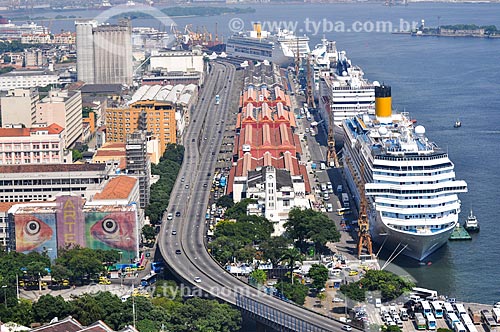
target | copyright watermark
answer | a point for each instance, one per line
(318, 27)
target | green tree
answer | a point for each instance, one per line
(204, 315)
(319, 274)
(113, 309)
(393, 328)
(239, 209)
(149, 233)
(390, 285)
(225, 201)
(294, 292)
(311, 225)
(77, 155)
(275, 248)
(47, 307)
(82, 263)
(60, 272)
(87, 309)
(292, 256)
(168, 169)
(321, 297)
(442, 329)
(260, 276)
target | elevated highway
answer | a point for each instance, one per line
(189, 197)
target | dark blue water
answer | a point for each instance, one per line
(437, 80)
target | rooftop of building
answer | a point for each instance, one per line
(69, 324)
(5, 206)
(52, 168)
(102, 88)
(52, 206)
(117, 188)
(28, 72)
(283, 177)
(53, 129)
(166, 93)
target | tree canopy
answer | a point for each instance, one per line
(319, 274)
(390, 285)
(308, 224)
(168, 168)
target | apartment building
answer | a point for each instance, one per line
(40, 144)
(157, 117)
(24, 183)
(18, 106)
(25, 79)
(64, 108)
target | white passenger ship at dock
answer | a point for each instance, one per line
(409, 181)
(281, 47)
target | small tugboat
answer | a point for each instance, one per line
(471, 223)
(457, 124)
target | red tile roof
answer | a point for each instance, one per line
(117, 188)
(5, 206)
(52, 168)
(69, 324)
(17, 132)
(110, 153)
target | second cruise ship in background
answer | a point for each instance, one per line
(280, 47)
(409, 181)
(339, 86)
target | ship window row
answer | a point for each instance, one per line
(410, 157)
(412, 168)
(422, 191)
(417, 216)
(414, 197)
(408, 183)
(254, 51)
(418, 206)
(414, 229)
(412, 174)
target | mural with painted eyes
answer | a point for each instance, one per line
(116, 230)
(32, 232)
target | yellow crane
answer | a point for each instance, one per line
(364, 237)
(331, 155)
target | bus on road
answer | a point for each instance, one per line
(148, 280)
(345, 200)
(437, 309)
(420, 321)
(431, 321)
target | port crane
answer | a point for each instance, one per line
(364, 237)
(331, 155)
(310, 79)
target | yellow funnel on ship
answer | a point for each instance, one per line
(383, 101)
(257, 27)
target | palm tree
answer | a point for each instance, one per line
(292, 256)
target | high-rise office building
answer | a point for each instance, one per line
(85, 50)
(19, 107)
(104, 52)
(157, 117)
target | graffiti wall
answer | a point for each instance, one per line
(36, 232)
(112, 230)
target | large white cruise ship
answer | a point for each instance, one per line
(343, 90)
(409, 181)
(280, 47)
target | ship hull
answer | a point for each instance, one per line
(418, 247)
